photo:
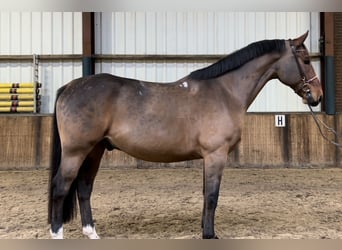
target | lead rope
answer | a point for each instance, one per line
(331, 130)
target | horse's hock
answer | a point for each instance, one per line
(26, 144)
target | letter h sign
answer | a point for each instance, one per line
(280, 121)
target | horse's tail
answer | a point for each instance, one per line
(69, 205)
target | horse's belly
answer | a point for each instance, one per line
(156, 149)
(157, 139)
(160, 155)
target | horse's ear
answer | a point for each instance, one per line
(300, 40)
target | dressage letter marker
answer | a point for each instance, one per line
(280, 121)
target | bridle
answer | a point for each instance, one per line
(303, 86)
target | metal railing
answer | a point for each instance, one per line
(125, 57)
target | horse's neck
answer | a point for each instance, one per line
(251, 78)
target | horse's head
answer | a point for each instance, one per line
(295, 70)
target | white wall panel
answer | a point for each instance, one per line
(147, 33)
(200, 33)
(57, 74)
(28, 33)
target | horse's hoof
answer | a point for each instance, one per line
(211, 237)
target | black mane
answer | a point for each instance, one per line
(238, 58)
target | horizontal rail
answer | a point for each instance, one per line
(11, 58)
(19, 97)
(19, 90)
(20, 85)
(17, 103)
(199, 57)
(192, 57)
(16, 109)
(124, 57)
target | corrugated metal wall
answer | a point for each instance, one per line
(188, 33)
(27, 33)
(192, 33)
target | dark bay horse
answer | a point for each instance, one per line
(197, 117)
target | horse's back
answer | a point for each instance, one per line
(85, 108)
(96, 92)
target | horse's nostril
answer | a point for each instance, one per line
(320, 99)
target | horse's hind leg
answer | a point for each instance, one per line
(85, 181)
(63, 193)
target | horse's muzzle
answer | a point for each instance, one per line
(311, 101)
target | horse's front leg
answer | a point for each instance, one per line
(213, 168)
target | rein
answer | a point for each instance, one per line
(329, 129)
(304, 87)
